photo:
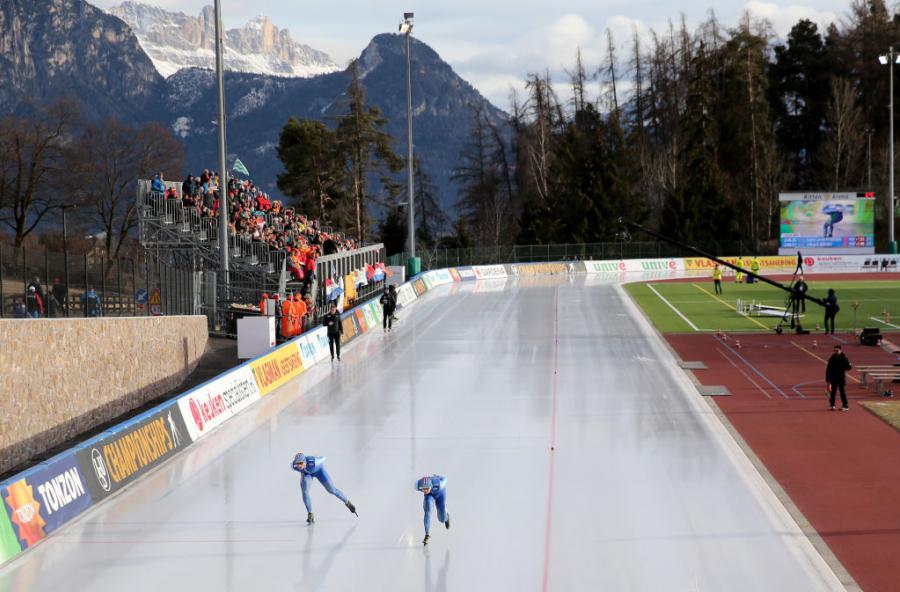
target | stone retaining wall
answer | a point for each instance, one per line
(61, 377)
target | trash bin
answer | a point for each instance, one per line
(413, 266)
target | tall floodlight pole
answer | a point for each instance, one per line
(889, 59)
(869, 133)
(223, 165)
(406, 28)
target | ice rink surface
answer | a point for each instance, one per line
(577, 453)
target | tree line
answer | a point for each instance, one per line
(51, 157)
(715, 122)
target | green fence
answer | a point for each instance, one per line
(437, 258)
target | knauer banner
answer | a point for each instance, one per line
(489, 272)
(110, 463)
(45, 498)
(274, 369)
(210, 405)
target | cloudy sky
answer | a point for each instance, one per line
(494, 43)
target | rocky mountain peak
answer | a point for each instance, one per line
(174, 40)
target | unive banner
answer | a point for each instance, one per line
(210, 405)
(489, 272)
(113, 461)
(635, 265)
(45, 498)
(275, 368)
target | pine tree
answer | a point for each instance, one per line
(313, 172)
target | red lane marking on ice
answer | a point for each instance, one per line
(549, 524)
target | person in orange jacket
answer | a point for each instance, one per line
(300, 312)
(287, 312)
(262, 304)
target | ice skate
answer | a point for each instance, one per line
(426, 539)
(352, 508)
(447, 523)
(310, 519)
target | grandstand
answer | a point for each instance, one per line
(271, 249)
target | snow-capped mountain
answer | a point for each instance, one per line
(174, 40)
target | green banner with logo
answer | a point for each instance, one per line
(9, 544)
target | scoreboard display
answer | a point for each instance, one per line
(823, 222)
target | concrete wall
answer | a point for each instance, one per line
(61, 377)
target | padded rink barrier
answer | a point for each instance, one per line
(41, 500)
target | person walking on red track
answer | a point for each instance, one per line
(838, 365)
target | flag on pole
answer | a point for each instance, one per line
(240, 168)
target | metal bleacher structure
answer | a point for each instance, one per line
(178, 236)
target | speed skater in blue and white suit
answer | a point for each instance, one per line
(434, 489)
(311, 467)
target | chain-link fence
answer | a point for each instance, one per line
(86, 285)
(437, 258)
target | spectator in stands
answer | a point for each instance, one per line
(34, 304)
(91, 304)
(187, 188)
(831, 310)
(158, 185)
(310, 312)
(36, 284)
(329, 247)
(332, 321)
(279, 312)
(835, 378)
(58, 301)
(19, 309)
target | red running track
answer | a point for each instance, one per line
(842, 470)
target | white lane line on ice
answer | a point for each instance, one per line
(672, 306)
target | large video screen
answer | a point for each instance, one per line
(817, 223)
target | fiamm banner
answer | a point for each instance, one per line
(274, 369)
(110, 463)
(489, 272)
(43, 499)
(212, 404)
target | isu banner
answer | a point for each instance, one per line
(213, 403)
(313, 346)
(405, 295)
(44, 499)
(274, 369)
(110, 463)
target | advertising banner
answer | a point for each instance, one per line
(212, 404)
(9, 543)
(369, 315)
(405, 295)
(121, 457)
(439, 277)
(427, 278)
(44, 499)
(360, 318)
(489, 272)
(767, 264)
(635, 265)
(313, 346)
(539, 269)
(466, 273)
(604, 266)
(273, 370)
(420, 287)
(454, 274)
(350, 329)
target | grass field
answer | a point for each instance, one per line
(684, 307)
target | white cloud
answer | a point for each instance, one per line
(783, 18)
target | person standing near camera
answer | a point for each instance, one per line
(332, 321)
(835, 379)
(831, 310)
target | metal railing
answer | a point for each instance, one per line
(121, 287)
(437, 258)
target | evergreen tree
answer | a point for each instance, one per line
(313, 172)
(366, 151)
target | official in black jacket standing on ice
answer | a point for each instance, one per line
(838, 365)
(332, 321)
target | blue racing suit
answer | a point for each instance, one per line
(315, 469)
(438, 493)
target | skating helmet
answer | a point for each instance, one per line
(299, 459)
(424, 484)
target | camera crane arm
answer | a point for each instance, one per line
(700, 253)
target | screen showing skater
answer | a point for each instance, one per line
(827, 222)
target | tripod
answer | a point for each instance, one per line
(792, 303)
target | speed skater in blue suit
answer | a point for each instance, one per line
(434, 488)
(313, 467)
